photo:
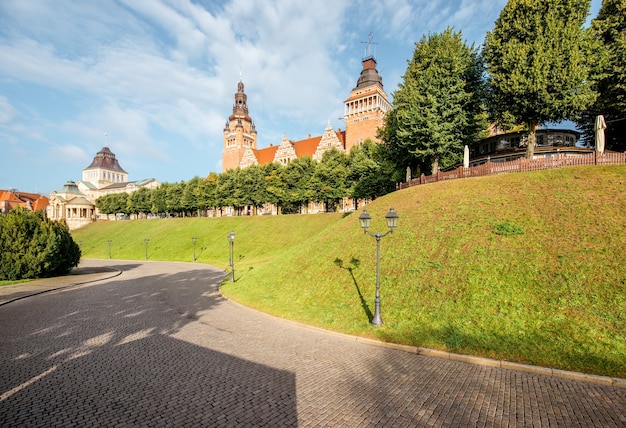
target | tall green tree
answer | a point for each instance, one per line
(139, 201)
(609, 30)
(329, 183)
(252, 186)
(370, 174)
(438, 106)
(275, 187)
(298, 178)
(189, 198)
(206, 192)
(538, 60)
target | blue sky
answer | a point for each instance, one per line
(159, 76)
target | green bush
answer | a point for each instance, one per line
(31, 246)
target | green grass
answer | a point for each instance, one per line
(522, 267)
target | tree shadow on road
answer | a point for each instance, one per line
(130, 351)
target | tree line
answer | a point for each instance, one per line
(364, 173)
(538, 65)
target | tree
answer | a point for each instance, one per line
(115, 203)
(252, 186)
(329, 182)
(609, 30)
(538, 62)
(275, 187)
(228, 190)
(189, 197)
(438, 107)
(32, 246)
(206, 192)
(370, 174)
(298, 178)
(158, 200)
(139, 201)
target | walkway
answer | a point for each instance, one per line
(158, 346)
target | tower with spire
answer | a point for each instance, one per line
(239, 132)
(365, 108)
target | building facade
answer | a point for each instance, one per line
(75, 203)
(365, 110)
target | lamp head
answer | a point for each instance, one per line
(392, 219)
(365, 219)
(231, 236)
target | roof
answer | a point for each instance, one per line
(306, 147)
(369, 75)
(266, 155)
(32, 201)
(71, 188)
(105, 159)
(88, 184)
(80, 200)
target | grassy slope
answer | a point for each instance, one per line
(553, 296)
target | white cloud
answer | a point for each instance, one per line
(7, 112)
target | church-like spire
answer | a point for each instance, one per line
(240, 108)
(369, 75)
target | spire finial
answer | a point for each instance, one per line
(369, 43)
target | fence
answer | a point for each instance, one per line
(558, 160)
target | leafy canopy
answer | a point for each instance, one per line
(438, 107)
(539, 60)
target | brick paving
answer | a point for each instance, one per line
(157, 346)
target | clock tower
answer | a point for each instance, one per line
(239, 132)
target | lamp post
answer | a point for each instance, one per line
(392, 221)
(231, 258)
(145, 241)
(109, 241)
(194, 239)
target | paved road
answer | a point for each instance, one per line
(157, 346)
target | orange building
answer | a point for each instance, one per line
(365, 110)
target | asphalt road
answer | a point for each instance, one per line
(158, 346)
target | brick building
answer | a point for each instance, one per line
(365, 110)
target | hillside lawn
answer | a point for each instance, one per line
(527, 267)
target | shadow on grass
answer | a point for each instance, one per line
(354, 263)
(534, 347)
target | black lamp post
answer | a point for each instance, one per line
(194, 239)
(392, 221)
(231, 258)
(145, 241)
(109, 241)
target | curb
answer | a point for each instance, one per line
(470, 359)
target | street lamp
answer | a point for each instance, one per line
(109, 241)
(194, 239)
(231, 258)
(365, 219)
(145, 241)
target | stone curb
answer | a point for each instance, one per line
(563, 374)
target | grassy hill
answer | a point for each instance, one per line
(523, 267)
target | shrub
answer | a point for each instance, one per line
(31, 246)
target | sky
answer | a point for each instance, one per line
(154, 80)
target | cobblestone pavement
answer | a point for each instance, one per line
(157, 346)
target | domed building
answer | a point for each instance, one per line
(75, 202)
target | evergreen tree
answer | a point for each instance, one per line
(32, 246)
(609, 59)
(438, 107)
(538, 60)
